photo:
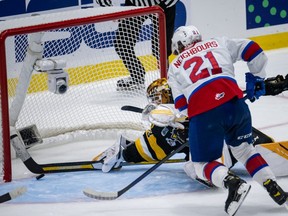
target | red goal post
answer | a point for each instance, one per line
(80, 45)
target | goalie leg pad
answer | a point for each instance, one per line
(190, 170)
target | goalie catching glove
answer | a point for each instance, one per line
(164, 115)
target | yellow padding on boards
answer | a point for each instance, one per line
(85, 74)
(272, 41)
(280, 148)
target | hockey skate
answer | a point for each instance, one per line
(237, 192)
(128, 84)
(113, 156)
(276, 192)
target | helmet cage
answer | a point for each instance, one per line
(159, 92)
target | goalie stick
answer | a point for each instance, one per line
(12, 194)
(114, 195)
(36, 168)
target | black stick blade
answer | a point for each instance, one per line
(132, 108)
(12, 194)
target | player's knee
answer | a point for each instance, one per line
(243, 151)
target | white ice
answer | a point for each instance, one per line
(165, 192)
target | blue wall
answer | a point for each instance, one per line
(262, 13)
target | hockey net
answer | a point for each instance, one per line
(73, 53)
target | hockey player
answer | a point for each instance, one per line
(155, 143)
(203, 86)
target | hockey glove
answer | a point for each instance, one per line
(276, 85)
(164, 116)
(255, 87)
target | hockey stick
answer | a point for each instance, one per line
(12, 194)
(114, 195)
(132, 108)
(36, 168)
(260, 136)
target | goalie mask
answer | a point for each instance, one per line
(159, 92)
(183, 37)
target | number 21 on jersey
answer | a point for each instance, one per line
(198, 61)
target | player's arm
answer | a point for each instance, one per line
(250, 52)
(271, 86)
(180, 102)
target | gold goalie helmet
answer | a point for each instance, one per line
(159, 92)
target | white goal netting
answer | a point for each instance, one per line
(63, 70)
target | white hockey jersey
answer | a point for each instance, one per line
(202, 76)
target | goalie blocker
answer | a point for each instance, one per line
(276, 85)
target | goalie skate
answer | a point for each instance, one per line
(111, 158)
(114, 158)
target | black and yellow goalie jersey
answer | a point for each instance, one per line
(155, 144)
